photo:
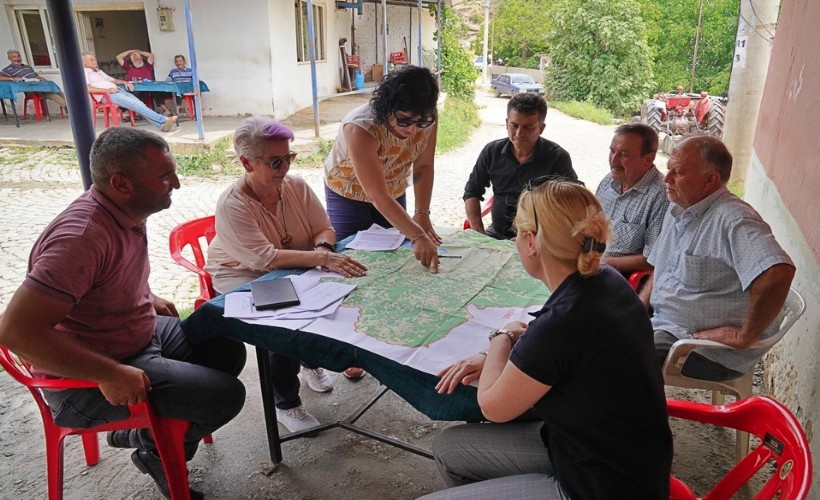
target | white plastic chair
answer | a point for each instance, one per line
(740, 387)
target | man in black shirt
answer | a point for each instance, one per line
(509, 165)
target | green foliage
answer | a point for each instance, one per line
(585, 111)
(456, 123)
(600, 55)
(671, 31)
(317, 158)
(211, 163)
(520, 30)
(458, 72)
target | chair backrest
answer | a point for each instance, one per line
(782, 444)
(484, 211)
(398, 57)
(793, 308)
(189, 234)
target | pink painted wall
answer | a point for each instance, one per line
(787, 139)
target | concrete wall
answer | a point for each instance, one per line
(783, 184)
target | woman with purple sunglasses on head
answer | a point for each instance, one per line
(271, 220)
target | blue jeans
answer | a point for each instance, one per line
(196, 382)
(350, 216)
(128, 100)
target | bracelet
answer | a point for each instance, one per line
(483, 353)
(324, 244)
(420, 211)
(502, 331)
(419, 236)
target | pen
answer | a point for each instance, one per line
(449, 256)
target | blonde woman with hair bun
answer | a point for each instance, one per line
(585, 364)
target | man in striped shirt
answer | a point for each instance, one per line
(17, 71)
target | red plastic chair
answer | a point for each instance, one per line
(189, 103)
(484, 211)
(108, 108)
(168, 432)
(189, 234)
(39, 104)
(783, 444)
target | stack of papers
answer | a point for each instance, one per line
(316, 300)
(377, 239)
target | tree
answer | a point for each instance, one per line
(600, 54)
(458, 72)
(671, 31)
(520, 31)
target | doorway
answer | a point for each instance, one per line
(109, 32)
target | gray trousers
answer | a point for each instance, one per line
(191, 382)
(487, 461)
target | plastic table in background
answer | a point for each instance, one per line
(176, 89)
(9, 90)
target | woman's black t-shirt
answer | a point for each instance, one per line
(605, 420)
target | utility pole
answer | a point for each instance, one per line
(486, 38)
(753, 48)
(697, 44)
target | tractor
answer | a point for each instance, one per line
(680, 115)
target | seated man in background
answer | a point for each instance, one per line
(17, 71)
(508, 165)
(138, 66)
(99, 82)
(180, 74)
(101, 322)
(633, 196)
(719, 273)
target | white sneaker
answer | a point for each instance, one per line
(296, 419)
(317, 379)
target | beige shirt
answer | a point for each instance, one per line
(395, 155)
(248, 236)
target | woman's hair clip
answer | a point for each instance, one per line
(591, 244)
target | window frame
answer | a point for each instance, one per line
(319, 31)
(25, 49)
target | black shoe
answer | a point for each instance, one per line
(148, 463)
(123, 439)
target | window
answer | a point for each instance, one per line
(38, 46)
(302, 40)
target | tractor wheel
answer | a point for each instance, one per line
(651, 115)
(714, 122)
(497, 92)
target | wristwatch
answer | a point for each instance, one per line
(324, 244)
(503, 331)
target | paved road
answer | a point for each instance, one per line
(33, 191)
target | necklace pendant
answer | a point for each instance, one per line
(286, 241)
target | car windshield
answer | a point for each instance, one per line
(522, 79)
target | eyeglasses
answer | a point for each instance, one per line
(406, 122)
(276, 163)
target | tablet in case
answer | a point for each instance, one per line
(273, 294)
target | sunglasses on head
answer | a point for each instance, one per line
(534, 183)
(406, 122)
(276, 163)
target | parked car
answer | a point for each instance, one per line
(515, 83)
(479, 63)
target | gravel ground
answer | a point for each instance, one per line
(333, 465)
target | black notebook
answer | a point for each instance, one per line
(273, 294)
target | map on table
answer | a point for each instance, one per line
(428, 321)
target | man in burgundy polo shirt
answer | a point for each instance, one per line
(85, 310)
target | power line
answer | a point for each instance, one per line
(754, 11)
(768, 40)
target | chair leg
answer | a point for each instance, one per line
(54, 464)
(209, 439)
(742, 445)
(91, 447)
(169, 434)
(718, 398)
